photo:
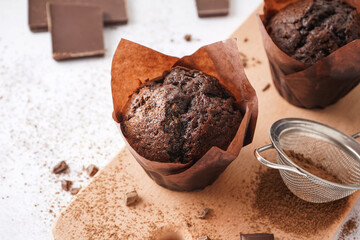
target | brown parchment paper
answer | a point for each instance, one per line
(320, 84)
(134, 64)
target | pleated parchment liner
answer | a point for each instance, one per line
(134, 64)
(320, 84)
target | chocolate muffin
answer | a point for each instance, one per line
(180, 117)
(309, 30)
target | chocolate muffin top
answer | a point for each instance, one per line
(180, 117)
(309, 30)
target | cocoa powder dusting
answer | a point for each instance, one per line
(311, 166)
(283, 210)
(349, 228)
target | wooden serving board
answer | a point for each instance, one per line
(98, 211)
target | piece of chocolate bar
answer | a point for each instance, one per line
(76, 30)
(257, 236)
(211, 8)
(114, 11)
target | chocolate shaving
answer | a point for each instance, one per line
(61, 167)
(134, 65)
(204, 213)
(66, 185)
(92, 170)
(131, 198)
(75, 191)
(267, 86)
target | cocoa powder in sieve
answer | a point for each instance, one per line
(283, 210)
(311, 166)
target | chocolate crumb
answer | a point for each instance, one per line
(187, 37)
(75, 191)
(267, 86)
(131, 198)
(92, 170)
(204, 238)
(66, 185)
(60, 167)
(204, 213)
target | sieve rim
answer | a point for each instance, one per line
(274, 134)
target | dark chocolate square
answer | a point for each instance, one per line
(257, 236)
(114, 11)
(76, 30)
(210, 8)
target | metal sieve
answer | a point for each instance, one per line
(336, 152)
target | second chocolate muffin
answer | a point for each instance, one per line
(180, 117)
(309, 30)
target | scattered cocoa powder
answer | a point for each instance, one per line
(283, 210)
(92, 170)
(61, 167)
(244, 59)
(349, 228)
(309, 165)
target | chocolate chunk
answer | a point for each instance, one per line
(60, 167)
(76, 30)
(131, 198)
(187, 37)
(267, 86)
(210, 8)
(66, 185)
(204, 238)
(115, 12)
(257, 236)
(92, 170)
(204, 213)
(75, 191)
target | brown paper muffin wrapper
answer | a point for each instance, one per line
(134, 64)
(320, 84)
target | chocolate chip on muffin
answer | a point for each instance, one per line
(309, 30)
(180, 117)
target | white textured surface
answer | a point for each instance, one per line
(51, 111)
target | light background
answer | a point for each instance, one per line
(52, 111)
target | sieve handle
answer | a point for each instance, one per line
(273, 165)
(356, 135)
